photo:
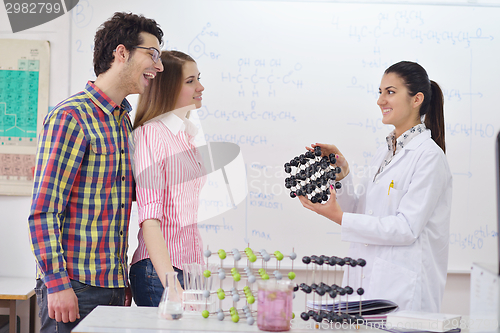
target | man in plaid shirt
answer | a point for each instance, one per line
(83, 184)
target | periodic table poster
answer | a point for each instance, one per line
(24, 94)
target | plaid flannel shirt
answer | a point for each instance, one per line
(82, 193)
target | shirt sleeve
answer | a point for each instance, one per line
(61, 148)
(415, 208)
(150, 173)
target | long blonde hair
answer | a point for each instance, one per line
(162, 92)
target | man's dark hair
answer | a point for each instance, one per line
(122, 28)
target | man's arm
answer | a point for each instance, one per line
(61, 149)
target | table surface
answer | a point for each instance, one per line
(16, 288)
(105, 319)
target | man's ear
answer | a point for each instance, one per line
(121, 54)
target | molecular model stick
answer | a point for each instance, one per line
(312, 175)
(249, 274)
(326, 290)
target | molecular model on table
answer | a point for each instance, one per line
(243, 271)
(312, 175)
(321, 292)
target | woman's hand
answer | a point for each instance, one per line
(331, 209)
(326, 150)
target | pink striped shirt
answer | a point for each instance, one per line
(169, 175)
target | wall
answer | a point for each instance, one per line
(16, 258)
(288, 74)
(275, 73)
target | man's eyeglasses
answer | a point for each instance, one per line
(155, 55)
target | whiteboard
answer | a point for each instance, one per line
(281, 75)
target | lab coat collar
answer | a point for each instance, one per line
(417, 140)
(412, 145)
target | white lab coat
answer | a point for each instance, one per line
(403, 234)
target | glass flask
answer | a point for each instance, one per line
(171, 301)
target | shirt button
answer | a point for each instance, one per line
(123, 178)
(121, 233)
(123, 205)
(123, 151)
(366, 244)
(362, 276)
(370, 212)
(378, 181)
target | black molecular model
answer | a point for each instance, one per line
(341, 312)
(312, 175)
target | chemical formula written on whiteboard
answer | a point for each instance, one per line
(474, 240)
(410, 25)
(260, 77)
(253, 115)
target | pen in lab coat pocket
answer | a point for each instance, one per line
(391, 185)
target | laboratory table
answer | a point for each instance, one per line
(106, 319)
(12, 290)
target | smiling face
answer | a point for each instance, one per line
(191, 87)
(397, 106)
(140, 67)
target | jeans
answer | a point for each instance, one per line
(88, 296)
(147, 288)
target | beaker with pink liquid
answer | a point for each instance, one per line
(274, 309)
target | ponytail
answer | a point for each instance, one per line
(434, 115)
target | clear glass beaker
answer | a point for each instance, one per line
(274, 309)
(171, 300)
(196, 285)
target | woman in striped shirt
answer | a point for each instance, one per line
(169, 175)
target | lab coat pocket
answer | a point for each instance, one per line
(393, 282)
(394, 198)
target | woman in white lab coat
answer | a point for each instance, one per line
(399, 216)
